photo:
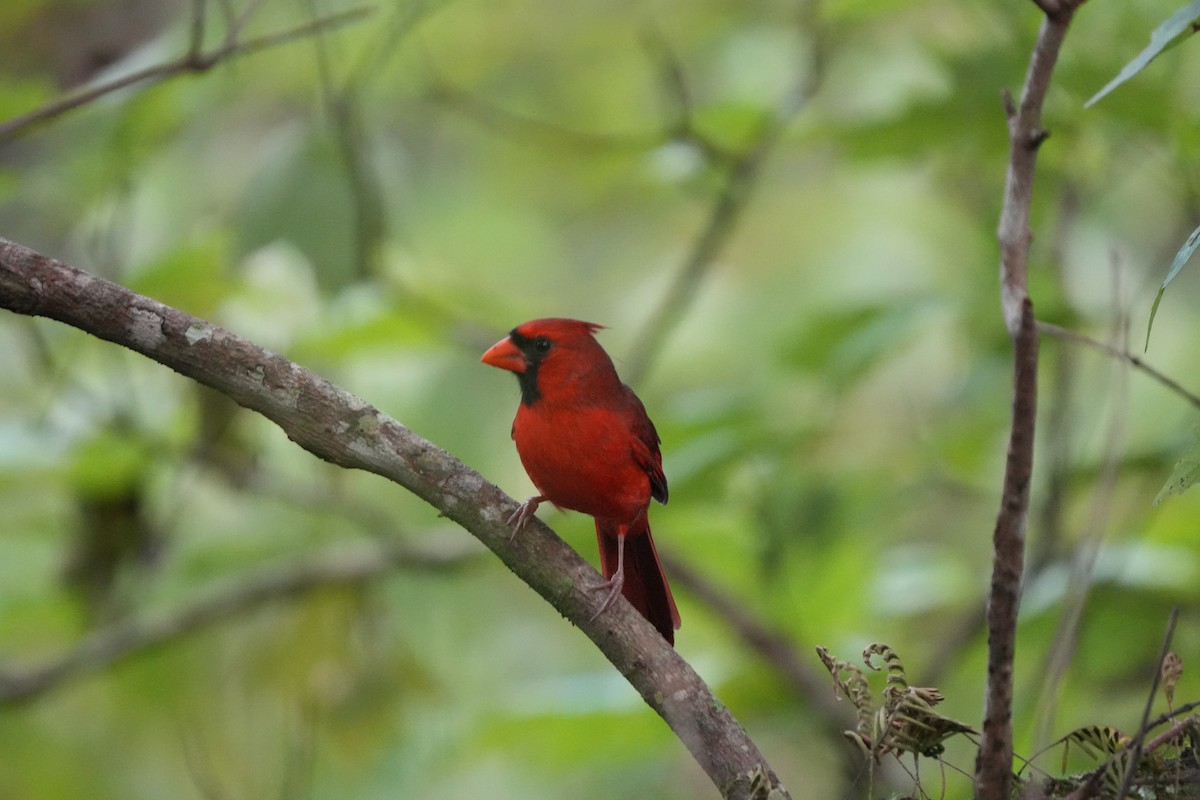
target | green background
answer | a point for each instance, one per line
(383, 201)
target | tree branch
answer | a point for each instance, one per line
(111, 645)
(993, 767)
(1121, 354)
(346, 431)
(1026, 134)
(193, 61)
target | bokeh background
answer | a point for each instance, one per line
(784, 212)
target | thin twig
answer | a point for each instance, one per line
(1167, 716)
(345, 115)
(528, 129)
(722, 221)
(1171, 734)
(190, 62)
(1089, 788)
(671, 77)
(239, 23)
(112, 645)
(372, 62)
(1140, 738)
(741, 174)
(1123, 354)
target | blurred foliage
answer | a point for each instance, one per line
(383, 201)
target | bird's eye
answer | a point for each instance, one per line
(541, 344)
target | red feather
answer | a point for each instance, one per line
(588, 445)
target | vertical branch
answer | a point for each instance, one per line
(993, 768)
(1025, 134)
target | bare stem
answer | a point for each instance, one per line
(993, 767)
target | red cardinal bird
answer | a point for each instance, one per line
(587, 444)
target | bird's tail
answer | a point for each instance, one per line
(645, 582)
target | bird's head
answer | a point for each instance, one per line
(558, 353)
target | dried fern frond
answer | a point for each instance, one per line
(1172, 671)
(905, 721)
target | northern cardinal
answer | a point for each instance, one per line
(588, 445)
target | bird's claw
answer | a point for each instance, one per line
(519, 518)
(613, 586)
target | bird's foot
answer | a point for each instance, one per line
(613, 586)
(519, 518)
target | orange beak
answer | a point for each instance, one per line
(505, 355)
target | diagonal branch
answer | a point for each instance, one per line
(193, 61)
(346, 431)
(1121, 354)
(1139, 740)
(740, 174)
(109, 646)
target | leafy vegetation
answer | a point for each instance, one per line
(785, 214)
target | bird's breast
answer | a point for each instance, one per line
(582, 459)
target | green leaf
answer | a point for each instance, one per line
(844, 344)
(1186, 473)
(1181, 258)
(1177, 27)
